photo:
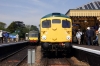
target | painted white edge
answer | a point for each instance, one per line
(87, 49)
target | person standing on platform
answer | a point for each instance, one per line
(89, 33)
(99, 35)
(6, 36)
(17, 37)
(82, 38)
(1, 36)
(92, 34)
(78, 35)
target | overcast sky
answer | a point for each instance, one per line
(31, 11)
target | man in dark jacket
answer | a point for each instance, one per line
(5, 34)
(92, 34)
(89, 35)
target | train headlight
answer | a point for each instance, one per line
(68, 37)
(44, 37)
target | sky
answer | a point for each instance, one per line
(31, 11)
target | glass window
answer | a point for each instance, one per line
(98, 2)
(33, 35)
(86, 7)
(46, 24)
(92, 6)
(89, 6)
(65, 24)
(56, 21)
(97, 5)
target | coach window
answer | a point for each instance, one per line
(55, 21)
(46, 24)
(65, 24)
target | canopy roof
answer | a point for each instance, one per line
(13, 34)
(77, 12)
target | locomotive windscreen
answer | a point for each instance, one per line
(33, 35)
(65, 24)
(46, 24)
(56, 21)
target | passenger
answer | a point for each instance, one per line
(92, 34)
(99, 35)
(5, 34)
(89, 33)
(78, 35)
(82, 38)
(1, 36)
(17, 37)
(95, 42)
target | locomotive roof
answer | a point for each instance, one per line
(55, 14)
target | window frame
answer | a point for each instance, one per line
(46, 26)
(56, 22)
(67, 26)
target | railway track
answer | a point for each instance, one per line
(15, 59)
(55, 62)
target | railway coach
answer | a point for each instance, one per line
(33, 37)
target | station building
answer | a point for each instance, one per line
(85, 16)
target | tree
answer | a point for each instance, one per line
(16, 27)
(2, 26)
(33, 27)
(20, 28)
(28, 27)
(12, 27)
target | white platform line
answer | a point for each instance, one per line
(87, 49)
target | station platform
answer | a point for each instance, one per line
(88, 48)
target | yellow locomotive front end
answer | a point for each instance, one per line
(55, 32)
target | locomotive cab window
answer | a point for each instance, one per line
(65, 24)
(46, 24)
(55, 21)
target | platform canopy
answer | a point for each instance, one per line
(77, 12)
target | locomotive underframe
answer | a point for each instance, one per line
(56, 46)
